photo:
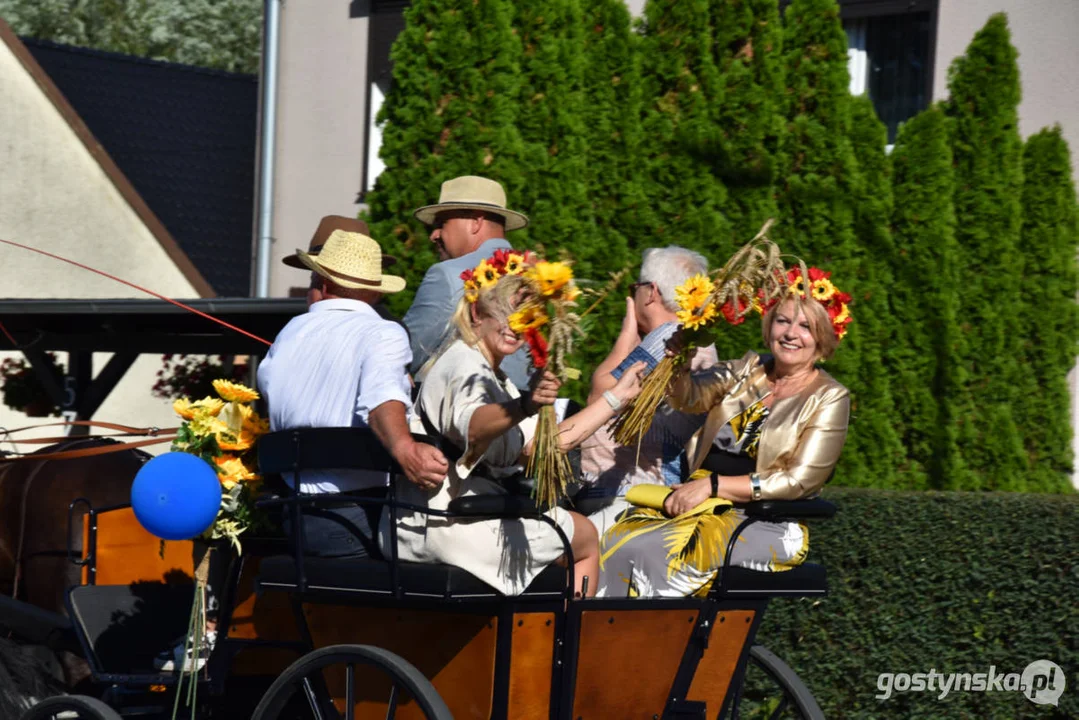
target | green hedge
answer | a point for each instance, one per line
(954, 582)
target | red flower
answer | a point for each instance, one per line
(734, 318)
(537, 346)
(498, 260)
(467, 275)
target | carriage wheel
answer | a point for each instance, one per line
(387, 681)
(772, 690)
(70, 707)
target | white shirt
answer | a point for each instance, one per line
(330, 367)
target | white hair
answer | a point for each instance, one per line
(668, 268)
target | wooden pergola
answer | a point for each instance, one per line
(128, 328)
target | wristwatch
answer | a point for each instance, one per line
(755, 485)
(715, 484)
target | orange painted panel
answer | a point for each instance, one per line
(126, 553)
(714, 671)
(530, 666)
(268, 616)
(627, 662)
(455, 651)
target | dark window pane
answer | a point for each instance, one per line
(898, 67)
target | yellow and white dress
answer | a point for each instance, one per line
(647, 554)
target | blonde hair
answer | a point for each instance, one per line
(820, 325)
(499, 301)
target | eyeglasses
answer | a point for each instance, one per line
(634, 286)
(444, 217)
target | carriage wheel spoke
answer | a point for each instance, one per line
(312, 699)
(350, 692)
(782, 708)
(391, 706)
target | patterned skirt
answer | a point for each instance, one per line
(646, 554)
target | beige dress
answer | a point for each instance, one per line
(505, 554)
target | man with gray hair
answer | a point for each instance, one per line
(609, 470)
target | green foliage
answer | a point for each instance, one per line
(954, 582)
(222, 34)
(923, 356)
(984, 85)
(451, 110)
(1048, 330)
(875, 451)
(682, 89)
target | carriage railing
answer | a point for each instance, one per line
(307, 449)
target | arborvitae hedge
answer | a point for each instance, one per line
(681, 91)
(868, 277)
(1048, 329)
(955, 582)
(923, 356)
(984, 86)
(452, 110)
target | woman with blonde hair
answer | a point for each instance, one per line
(774, 431)
(466, 399)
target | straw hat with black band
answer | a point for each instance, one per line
(352, 260)
(470, 192)
(325, 228)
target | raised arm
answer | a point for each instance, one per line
(628, 338)
(699, 392)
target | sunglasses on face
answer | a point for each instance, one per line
(633, 288)
(442, 219)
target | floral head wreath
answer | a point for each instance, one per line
(821, 289)
(489, 271)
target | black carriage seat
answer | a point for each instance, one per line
(123, 628)
(416, 580)
(334, 448)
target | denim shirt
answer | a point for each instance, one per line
(437, 297)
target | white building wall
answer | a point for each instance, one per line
(55, 196)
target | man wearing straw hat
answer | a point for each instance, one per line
(467, 225)
(341, 365)
(325, 229)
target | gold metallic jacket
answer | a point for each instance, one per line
(801, 440)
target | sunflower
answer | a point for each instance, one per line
(203, 424)
(515, 264)
(184, 408)
(823, 289)
(797, 286)
(693, 319)
(472, 291)
(232, 471)
(486, 274)
(235, 392)
(240, 442)
(694, 292)
(550, 277)
(528, 318)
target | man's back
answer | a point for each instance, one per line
(329, 368)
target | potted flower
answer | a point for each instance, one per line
(23, 390)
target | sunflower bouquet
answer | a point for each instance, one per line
(549, 323)
(753, 276)
(222, 431)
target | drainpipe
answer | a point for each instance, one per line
(267, 137)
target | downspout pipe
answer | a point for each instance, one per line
(267, 147)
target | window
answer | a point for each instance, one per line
(386, 21)
(891, 55)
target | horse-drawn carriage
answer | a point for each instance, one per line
(306, 637)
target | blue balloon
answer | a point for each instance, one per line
(176, 496)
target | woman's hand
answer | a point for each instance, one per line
(687, 496)
(629, 385)
(544, 388)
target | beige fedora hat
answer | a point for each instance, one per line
(470, 192)
(325, 228)
(352, 260)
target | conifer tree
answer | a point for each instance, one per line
(984, 85)
(1049, 329)
(451, 110)
(869, 275)
(748, 57)
(682, 94)
(923, 357)
(550, 118)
